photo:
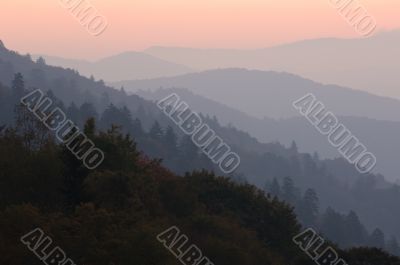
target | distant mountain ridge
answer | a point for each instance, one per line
(127, 65)
(270, 94)
(369, 64)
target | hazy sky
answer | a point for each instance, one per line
(44, 26)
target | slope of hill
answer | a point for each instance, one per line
(270, 94)
(66, 84)
(381, 137)
(369, 64)
(128, 65)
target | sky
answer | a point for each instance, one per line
(47, 27)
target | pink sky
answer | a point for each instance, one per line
(44, 26)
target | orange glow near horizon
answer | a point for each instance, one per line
(46, 27)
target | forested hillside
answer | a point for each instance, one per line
(113, 214)
(304, 181)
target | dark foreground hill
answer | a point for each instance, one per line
(112, 215)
